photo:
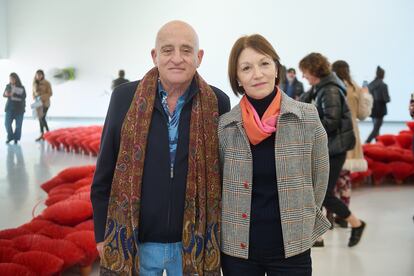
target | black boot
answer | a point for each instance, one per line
(356, 234)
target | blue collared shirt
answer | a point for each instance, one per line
(173, 120)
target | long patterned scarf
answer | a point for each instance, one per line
(201, 225)
(258, 129)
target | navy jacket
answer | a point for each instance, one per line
(297, 88)
(162, 198)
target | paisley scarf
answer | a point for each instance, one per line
(201, 225)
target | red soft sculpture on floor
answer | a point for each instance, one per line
(41, 263)
(11, 269)
(391, 156)
(68, 212)
(77, 139)
(50, 235)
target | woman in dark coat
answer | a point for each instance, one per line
(328, 93)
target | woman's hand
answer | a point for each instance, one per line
(7, 93)
(364, 90)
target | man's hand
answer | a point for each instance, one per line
(99, 247)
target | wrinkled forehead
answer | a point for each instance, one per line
(177, 36)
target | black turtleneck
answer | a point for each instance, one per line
(262, 104)
(266, 238)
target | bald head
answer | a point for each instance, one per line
(177, 28)
(176, 55)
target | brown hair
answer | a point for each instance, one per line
(257, 43)
(341, 68)
(40, 71)
(17, 79)
(316, 64)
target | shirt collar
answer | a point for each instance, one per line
(163, 93)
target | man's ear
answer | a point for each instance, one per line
(200, 55)
(154, 57)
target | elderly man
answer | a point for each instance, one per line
(156, 191)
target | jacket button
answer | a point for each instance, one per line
(243, 245)
(246, 185)
(244, 215)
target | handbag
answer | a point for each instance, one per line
(37, 107)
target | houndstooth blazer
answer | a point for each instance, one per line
(302, 169)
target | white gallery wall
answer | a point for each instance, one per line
(3, 29)
(99, 37)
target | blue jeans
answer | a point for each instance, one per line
(155, 257)
(17, 133)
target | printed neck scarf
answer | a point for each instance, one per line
(258, 129)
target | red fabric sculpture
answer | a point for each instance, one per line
(11, 233)
(42, 263)
(10, 269)
(26, 242)
(68, 212)
(86, 241)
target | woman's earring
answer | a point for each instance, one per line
(239, 84)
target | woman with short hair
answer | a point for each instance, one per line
(328, 95)
(274, 159)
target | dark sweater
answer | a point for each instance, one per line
(266, 238)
